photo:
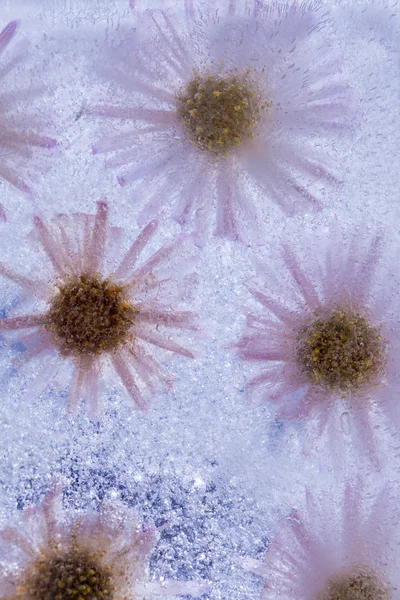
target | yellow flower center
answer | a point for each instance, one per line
(72, 576)
(341, 350)
(220, 113)
(90, 315)
(360, 584)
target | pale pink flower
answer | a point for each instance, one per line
(57, 553)
(94, 314)
(211, 104)
(327, 339)
(19, 130)
(336, 547)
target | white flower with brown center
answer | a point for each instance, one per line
(337, 547)
(93, 316)
(324, 342)
(211, 105)
(60, 554)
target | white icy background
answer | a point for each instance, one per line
(214, 469)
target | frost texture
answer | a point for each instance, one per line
(288, 50)
(213, 472)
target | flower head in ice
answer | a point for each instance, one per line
(93, 315)
(59, 554)
(222, 103)
(337, 548)
(18, 132)
(326, 340)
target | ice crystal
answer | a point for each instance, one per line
(90, 317)
(217, 106)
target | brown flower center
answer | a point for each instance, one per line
(360, 584)
(219, 113)
(341, 350)
(90, 315)
(72, 576)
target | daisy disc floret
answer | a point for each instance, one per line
(341, 350)
(93, 316)
(324, 341)
(221, 113)
(56, 553)
(19, 135)
(339, 546)
(90, 315)
(360, 583)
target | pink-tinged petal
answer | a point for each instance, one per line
(120, 142)
(12, 177)
(32, 139)
(71, 256)
(258, 347)
(44, 375)
(176, 46)
(305, 193)
(270, 377)
(369, 436)
(147, 367)
(95, 256)
(152, 337)
(37, 288)
(42, 344)
(122, 369)
(189, 196)
(161, 117)
(12, 536)
(7, 34)
(77, 386)
(182, 319)
(130, 258)
(306, 287)
(41, 141)
(368, 268)
(282, 313)
(226, 218)
(156, 200)
(150, 166)
(253, 565)
(53, 249)
(95, 402)
(23, 322)
(3, 216)
(160, 256)
(51, 505)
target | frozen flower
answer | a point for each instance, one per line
(327, 340)
(336, 548)
(219, 103)
(59, 554)
(93, 315)
(19, 131)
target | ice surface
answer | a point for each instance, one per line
(212, 470)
